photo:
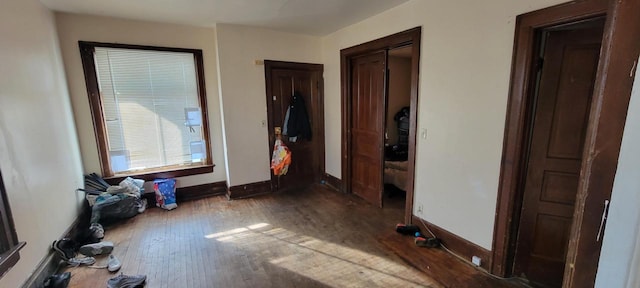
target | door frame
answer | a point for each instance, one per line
(610, 102)
(269, 66)
(408, 37)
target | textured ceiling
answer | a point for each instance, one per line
(313, 17)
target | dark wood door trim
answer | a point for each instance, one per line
(620, 48)
(269, 66)
(612, 92)
(408, 37)
(518, 120)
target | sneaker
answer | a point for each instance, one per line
(57, 280)
(126, 281)
(104, 247)
(96, 231)
(81, 261)
(64, 248)
(113, 264)
(427, 242)
(142, 205)
(407, 229)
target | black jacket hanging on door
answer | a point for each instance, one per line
(298, 124)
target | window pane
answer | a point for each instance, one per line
(147, 97)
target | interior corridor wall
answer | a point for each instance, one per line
(465, 68)
(243, 95)
(39, 153)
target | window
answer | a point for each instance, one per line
(149, 109)
(9, 245)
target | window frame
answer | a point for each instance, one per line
(87, 50)
(8, 236)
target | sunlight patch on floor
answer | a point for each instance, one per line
(230, 233)
(326, 262)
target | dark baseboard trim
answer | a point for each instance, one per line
(190, 193)
(333, 182)
(455, 243)
(48, 266)
(51, 263)
(201, 191)
(249, 190)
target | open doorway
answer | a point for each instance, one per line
(397, 119)
(369, 130)
(558, 124)
(603, 98)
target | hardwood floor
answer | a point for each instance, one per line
(302, 238)
(309, 238)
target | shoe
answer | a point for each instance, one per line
(75, 262)
(126, 281)
(58, 280)
(64, 248)
(113, 264)
(104, 247)
(407, 229)
(427, 242)
(142, 205)
(96, 231)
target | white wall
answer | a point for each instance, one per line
(619, 264)
(464, 78)
(39, 154)
(73, 28)
(243, 92)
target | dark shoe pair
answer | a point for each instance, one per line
(58, 280)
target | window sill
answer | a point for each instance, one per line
(150, 176)
(10, 258)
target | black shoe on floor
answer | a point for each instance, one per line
(65, 248)
(58, 280)
(407, 229)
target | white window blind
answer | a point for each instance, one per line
(149, 99)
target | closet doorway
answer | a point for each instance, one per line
(376, 78)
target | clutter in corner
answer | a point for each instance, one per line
(109, 204)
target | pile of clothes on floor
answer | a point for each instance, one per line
(109, 204)
(113, 203)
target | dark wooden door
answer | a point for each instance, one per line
(368, 76)
(561, 116)
(307, 156)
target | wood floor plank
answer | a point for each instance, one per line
(314, 237)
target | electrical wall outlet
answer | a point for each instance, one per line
(419, 208)
(476, 260)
